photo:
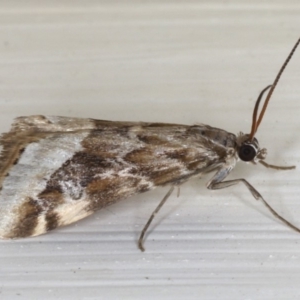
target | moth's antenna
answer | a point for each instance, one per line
(254, 116)
(273, 88)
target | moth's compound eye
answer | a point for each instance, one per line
(247, 152)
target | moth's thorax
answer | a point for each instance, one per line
(218, 136)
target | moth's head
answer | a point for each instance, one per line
(249, 150)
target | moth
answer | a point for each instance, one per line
(57, 170)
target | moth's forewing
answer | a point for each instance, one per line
(57, 170)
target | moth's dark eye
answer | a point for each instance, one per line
(247, 152)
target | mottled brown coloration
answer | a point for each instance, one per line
(139, 157)
(166, 176)
(52, 220)
(189, 158)
(115, 160)
(105, 192)
(151, 140)
(91, 145)
(51, 197)
(28, 215)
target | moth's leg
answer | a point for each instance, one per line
(216, 183)
(162, 202)
(276, 167)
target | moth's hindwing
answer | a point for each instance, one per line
(57, 170)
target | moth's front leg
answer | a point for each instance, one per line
(214, 184)
(217, 183)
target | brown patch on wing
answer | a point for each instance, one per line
(164, 125)
(103, 192)
(156, 167)
(140, 156)
(102, 143)
(51, 198)
(28, 214)
(52, 220)
(107, 125)
(190, 158)
(151, 139)
(194, 165)
(162, 177)
(183, 155)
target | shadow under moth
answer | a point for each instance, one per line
(57, 170)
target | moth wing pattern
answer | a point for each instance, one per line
(57, 170)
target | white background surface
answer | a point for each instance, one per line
(166, 61)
